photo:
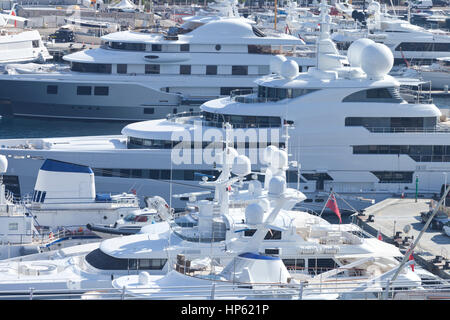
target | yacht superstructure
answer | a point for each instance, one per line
(20, 46)
(139, 75)
(310, 247)
(351, 129)
(410, 44)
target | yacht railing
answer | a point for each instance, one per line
(343, 289)
(418, 95)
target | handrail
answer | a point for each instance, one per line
(437, 129)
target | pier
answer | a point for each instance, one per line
(399, 222)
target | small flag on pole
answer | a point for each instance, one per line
(332, 204)
(379, 236)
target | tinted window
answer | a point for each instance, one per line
(101, 91)
(84, 90)
(211, 70)
(152, 69)
(185, 69)
(122, 68)
(52, 89)
(239, 70)
(149, 110)
(184, 47)
(156, 47)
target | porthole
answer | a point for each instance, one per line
(218, 47)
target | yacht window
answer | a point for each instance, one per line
(130, 217)
(184, 47)
(91, 67)
(149, 110)
(317, 266)
(395, 124)
(101, 91)
(35, 43)
(185, 69)
(270, 235)
(218, 47)
(100, 260)
(136, 173)
(259, 49)
(375, 95)
(44, 193)
(258, 32)
(294, 264)
(165, 174)
(14, 226)
(239, 70)
(84, 90)
(394, 176)
(211, 70)
(419, 153)
(156, 47)
(127, 46)
(52, 89)
(122, 68)
(152, 68)
(225, 91)
(423, 46)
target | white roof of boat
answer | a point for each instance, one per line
(222, 31)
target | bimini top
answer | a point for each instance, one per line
(60, 166)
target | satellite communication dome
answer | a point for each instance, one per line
(289, 69)
(231, 154)
(267, 154)
(277, 186)
(254, 214)
(376, 60)
(276, 62)
(280, 159)
(241, 166)
(3, 164)
(355, 50)
(255, 188)
(144, 278)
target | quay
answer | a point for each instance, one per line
(398, 221)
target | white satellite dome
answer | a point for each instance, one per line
(289, 69)
(231, 154)
(241, 166)
(279, 159)
(277, 186)
(354, 52)
(376, 60)
(268, 152)
(255, 188)
(3, 164)
(254, 214)
(276, 62)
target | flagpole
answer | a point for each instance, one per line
(323, 209)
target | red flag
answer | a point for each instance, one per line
(332, 204)
(379, 236)
(411, 258)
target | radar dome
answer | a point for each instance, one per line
(289, 69)
(3, 164)
(144, 278)
(277, 186)
(268, 152)
(276, 62)
(255, 188)
(355, 50)
(241, 166)
(376, 60)
(254, 214)
(279, 159)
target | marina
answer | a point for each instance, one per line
(224, 150)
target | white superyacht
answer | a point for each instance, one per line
(353, 132)
(310, 247)
(140, 75)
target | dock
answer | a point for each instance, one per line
(398, 221)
